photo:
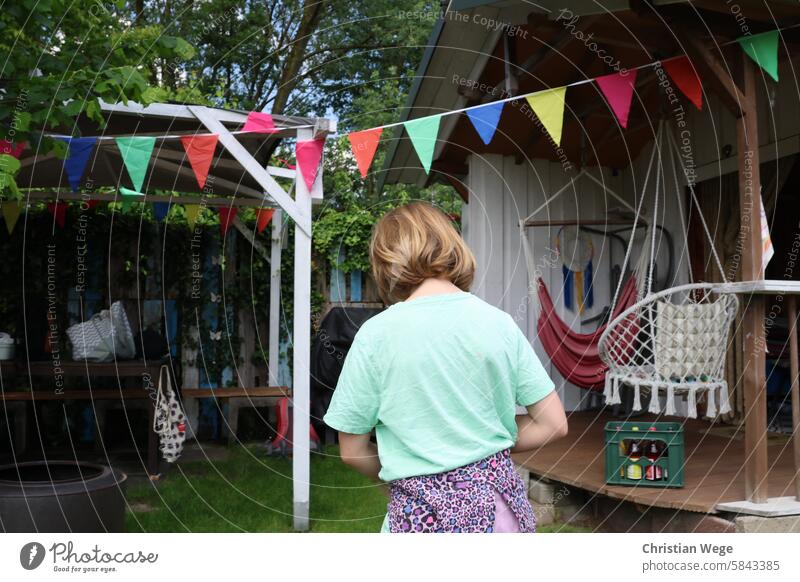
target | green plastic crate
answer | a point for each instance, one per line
(670, 435)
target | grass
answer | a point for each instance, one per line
(250, 492)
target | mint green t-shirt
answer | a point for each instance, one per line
(439, 378)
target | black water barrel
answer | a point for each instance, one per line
(61, 497)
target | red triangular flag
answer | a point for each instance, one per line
(264, 216)
(59, 211)
(12, 149)
(364, 145)
(309, 154)
(200, 149)
(683, 74)
(618, 91)
(226, 216)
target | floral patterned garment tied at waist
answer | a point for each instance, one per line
(461, 500)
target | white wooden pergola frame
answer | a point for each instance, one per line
(298, 208)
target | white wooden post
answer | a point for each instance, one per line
(275, 297)
(301, 470)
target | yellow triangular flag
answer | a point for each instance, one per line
(192, 213)
(11, 212)
(548, 105)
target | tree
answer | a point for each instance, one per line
(61, 59)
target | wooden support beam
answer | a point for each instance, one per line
(793, 366)
(755, 395)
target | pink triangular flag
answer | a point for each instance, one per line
(264, 216)
(226, 216)
(259, 122)
(12, 149)
(618, 90)
(309, 155)
(364, 145)
(200, 150)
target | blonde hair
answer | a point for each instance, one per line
(416, 242)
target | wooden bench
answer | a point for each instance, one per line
(123, 371)
(238, 398)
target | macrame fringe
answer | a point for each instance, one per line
(637, 400)
(711, 407)
(615, 397)
(724, 403)
(607, 389)
(670, 401)
(692, 404)
(655, 403)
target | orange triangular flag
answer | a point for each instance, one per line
(200, 150)
(364, 145)
(264, 216)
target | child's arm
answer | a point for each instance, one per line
(358, 451)
(545, 422)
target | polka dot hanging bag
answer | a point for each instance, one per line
(169, 422)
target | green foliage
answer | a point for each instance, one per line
(61, 58)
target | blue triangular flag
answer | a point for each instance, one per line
(484, 120)
(160, 210)
(80, 148)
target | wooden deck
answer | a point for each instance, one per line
(713, 472)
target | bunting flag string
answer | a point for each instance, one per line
(78, 152)
(618, 91)
(59, 212)
(193, 212)
(12, 149)
(548, 106)
(258, 122)
(423, 132)
(200, 150)
(763, 49)
(160, 210)
(264, 216)
(364, 145)
(136, 153)
(683, 74)
(226, 216)
(11, 212)
(485, 119)
(309, 155)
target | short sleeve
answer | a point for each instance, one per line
(533, 383)
(354, 405)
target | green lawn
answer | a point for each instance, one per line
(251, 492)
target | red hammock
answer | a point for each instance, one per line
(574, 354)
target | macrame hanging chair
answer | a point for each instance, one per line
(674, 340)
(574, 354)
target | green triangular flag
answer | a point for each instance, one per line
(128, 196)
(136, 153)
(763, 49)
(423, 132)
